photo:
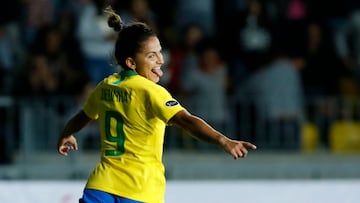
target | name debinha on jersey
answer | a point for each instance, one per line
(108, 94)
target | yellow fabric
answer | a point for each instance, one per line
(132, 112)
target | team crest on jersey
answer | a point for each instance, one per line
(171, 103)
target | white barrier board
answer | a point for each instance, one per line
(250, 191)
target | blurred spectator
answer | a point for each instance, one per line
(197, 12)
(139, 10)
(245, 42)
(48, 42)
(10, 57)
(96, 40)
(322, 71)
(296, 10)
(252, 41)
(277, 93)
(51, 42)
(37, 13)
(347, 42)
(7, 63)
(183, 55)
(254, 34)
(36, 79)
(11, 49)
(205, 84)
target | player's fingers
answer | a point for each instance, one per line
(249, 145)
(234, 153)
(75, 146)
(63, 150)
(72, 141)
(244, 151)
(237, 153)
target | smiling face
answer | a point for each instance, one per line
(148, 60)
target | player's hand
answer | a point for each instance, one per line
(238, 149)
(67, 144)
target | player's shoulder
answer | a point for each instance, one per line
(134, 82)
(147, 84)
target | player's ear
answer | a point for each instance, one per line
(130, 62)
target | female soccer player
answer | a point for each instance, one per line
(133, 111)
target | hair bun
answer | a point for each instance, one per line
(114, 23)
(114, 20)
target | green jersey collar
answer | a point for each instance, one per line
(128, 73)
(123, 75)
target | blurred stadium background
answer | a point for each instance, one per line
(308, 152)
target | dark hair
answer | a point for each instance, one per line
(130, 38)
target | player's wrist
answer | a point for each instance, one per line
(222, 140)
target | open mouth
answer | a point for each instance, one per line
(157, 71)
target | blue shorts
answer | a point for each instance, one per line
(97, 196)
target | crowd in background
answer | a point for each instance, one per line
(280, 53)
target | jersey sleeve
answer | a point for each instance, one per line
(90, 107)
(164, 105)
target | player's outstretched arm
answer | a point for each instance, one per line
(198, 128)
(67, 141)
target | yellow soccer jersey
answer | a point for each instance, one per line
(132, 112)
